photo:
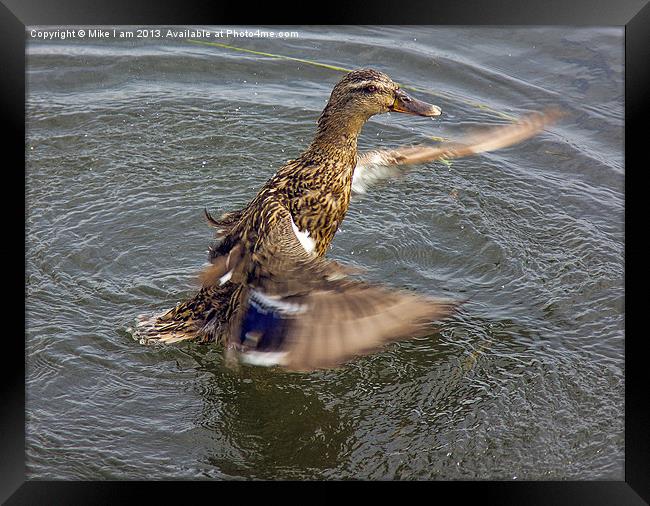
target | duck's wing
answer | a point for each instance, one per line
(375, 166)
(333, 324)
(304, 312)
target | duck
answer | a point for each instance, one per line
(269, 294)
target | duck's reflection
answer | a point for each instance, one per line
(270, 424)
(396, 415)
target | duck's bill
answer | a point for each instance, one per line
(409, 105)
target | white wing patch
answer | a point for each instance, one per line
(303, 236)
(372, 170)
(225, 277)
(274, 303)
(263, 358)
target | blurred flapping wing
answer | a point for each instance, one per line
(375, 166)
(304, 312)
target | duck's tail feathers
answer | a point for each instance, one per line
(225, 223)
(203, 318)
(162, 328)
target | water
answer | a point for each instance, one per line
(128, 141)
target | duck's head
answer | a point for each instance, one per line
(365, 92)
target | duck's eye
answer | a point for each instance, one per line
(370, 89)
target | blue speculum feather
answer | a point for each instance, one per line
(263, 328)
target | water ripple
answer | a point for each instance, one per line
(127, 143)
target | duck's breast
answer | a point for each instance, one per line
(317, 216)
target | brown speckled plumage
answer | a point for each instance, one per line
(315, 187)
(259, 248)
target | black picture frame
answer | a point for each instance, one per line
(15, 15)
